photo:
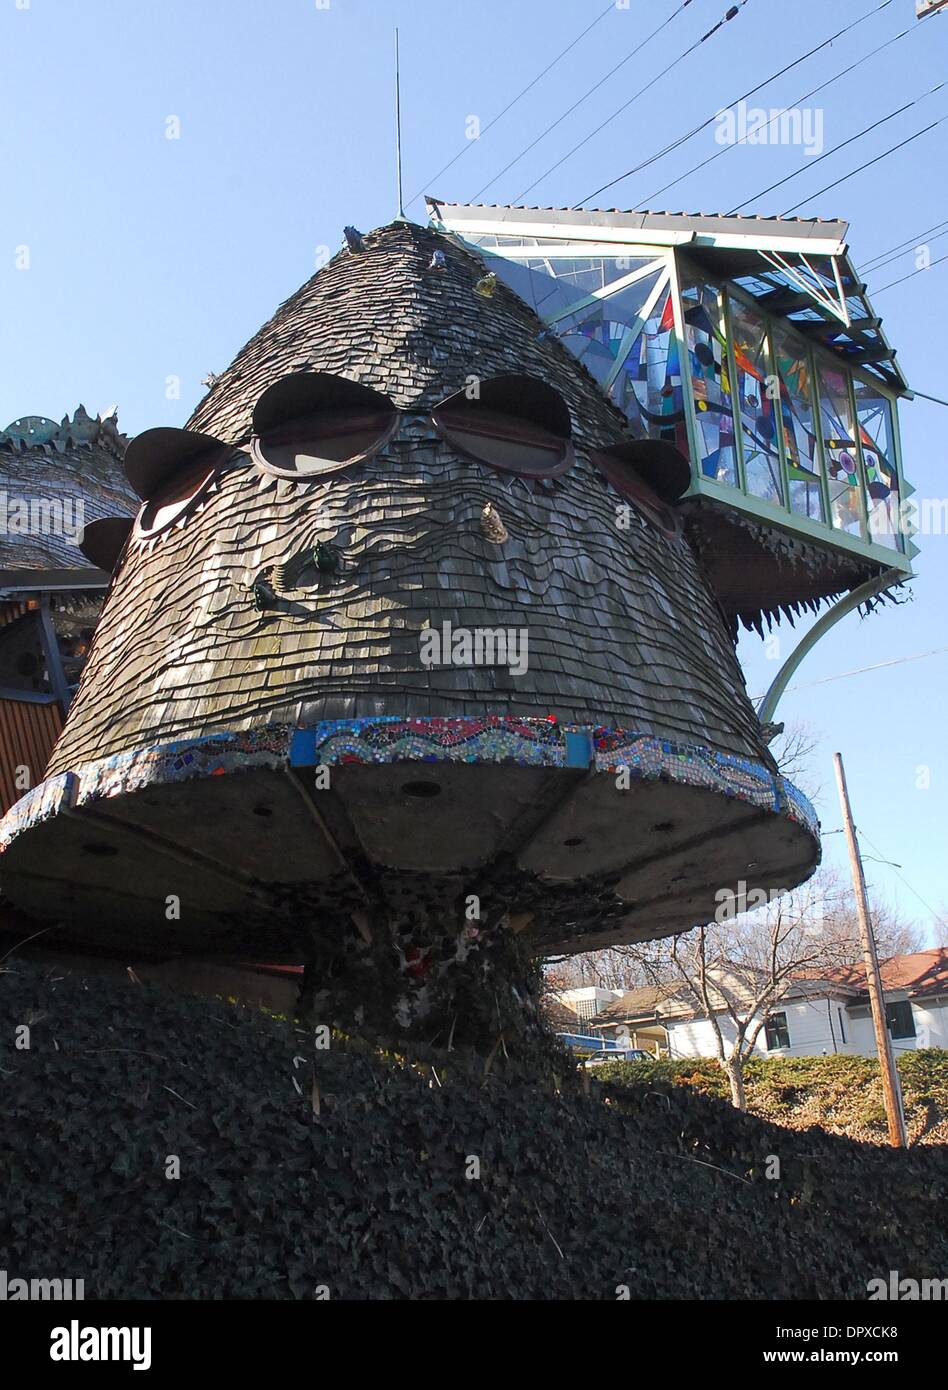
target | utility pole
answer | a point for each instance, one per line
(890, 1081)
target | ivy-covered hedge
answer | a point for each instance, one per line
(453, 1178)
(840, 1093)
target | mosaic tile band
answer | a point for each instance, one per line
(493, 739)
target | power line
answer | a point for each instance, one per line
(868, 165)
(861, 670)
(584, 97)
(872, 269)
(732, 13)
(511, 104)
(811, 164)
(902, 245)
(936, 915)
(683, 139)
(799, 100)
(902, 282)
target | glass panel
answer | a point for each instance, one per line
(545, 295)
(758, 418)
(634, 359)
(651, 378)
(798, 423)
(708, 369)
(876, 435)
(839, 442)
(623, 308)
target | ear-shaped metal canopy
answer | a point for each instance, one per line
(103, 541)
(310, 423)
(514, 423)
(154, 457)
(620, 465)
(658, 463)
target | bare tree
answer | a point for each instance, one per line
(736, 970)
(793, 750)
(940, 929)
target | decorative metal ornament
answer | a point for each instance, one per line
(486, 285)
(263, 594)
(326, 557)
(492, 527)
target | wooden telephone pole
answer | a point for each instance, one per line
(890, 1082)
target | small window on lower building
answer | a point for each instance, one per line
(778, 1034)
(899, 1019)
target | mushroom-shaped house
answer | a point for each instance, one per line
(406, 654)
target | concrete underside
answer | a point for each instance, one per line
(260, 861)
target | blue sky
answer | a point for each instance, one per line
(153, 258)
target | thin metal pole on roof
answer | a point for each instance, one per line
(398, 129)
(890, 1083)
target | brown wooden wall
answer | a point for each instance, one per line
(28, 731)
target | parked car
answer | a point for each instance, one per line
(631, 1054)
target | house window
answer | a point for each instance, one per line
(515, 424)
(172, 470)
(586, 1008)
(648, 473)
(778, 1034)
(309, 424)
(706, 353)
(842, 457)
(172, 501)
(758, 424)
(899, 1019)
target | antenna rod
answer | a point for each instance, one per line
(398, 129)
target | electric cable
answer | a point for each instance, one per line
(696, 130)
(530, 85)
(811, 164)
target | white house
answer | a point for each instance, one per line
(817, 1016)
(587, 1001)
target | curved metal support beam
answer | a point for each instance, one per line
(806, 644)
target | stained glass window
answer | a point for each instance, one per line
(839, 443)
(652, 371)
(755, 391)
(876, 435)
(798, 425)
(703, 311)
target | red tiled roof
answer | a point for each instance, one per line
(921, 973)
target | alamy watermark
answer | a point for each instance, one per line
(755, 125)
(478, 646)
(907, 1290)
(15, 1290)
(42, 516)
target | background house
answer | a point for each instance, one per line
(820, 1015)
(585, 1001)
(54, 479)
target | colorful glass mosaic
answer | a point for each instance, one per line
(877, 440)
(652, 370)
(46, 800)
(798, 425)
(755, 396)
(162, 763)
(703, 309)
(842, 455)
(492, 739)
